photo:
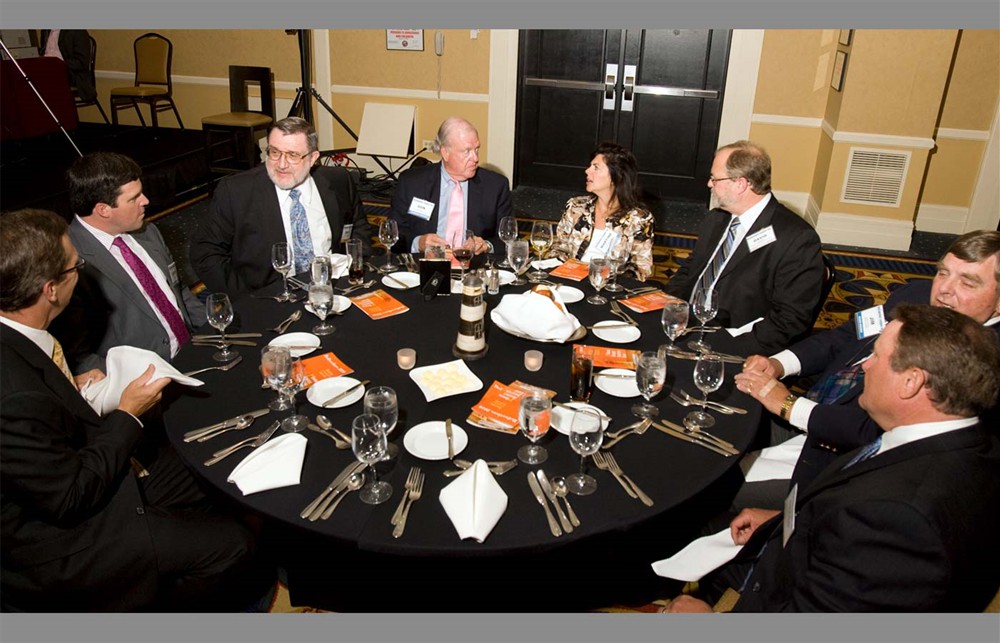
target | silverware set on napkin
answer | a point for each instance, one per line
(253, 443)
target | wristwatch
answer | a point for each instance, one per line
(786, 406)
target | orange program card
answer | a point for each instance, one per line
(498, 409)
(648, 302)
(608, 357)
(573, 269)
(323, 366)
(379, 304)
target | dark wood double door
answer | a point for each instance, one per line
(657, 92)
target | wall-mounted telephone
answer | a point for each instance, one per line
(439, 43)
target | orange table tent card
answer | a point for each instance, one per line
(379, 304)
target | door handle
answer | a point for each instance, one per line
(610, 85)
(628, 88)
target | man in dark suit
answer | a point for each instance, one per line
(769, 271)
(967, 280)
(906, 523)
(314, 210)
(432, 201)
(73, 46)
(115, 303)
(80, 532)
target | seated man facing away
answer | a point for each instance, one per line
(907, 522)
(79, 530)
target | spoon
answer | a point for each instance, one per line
(283, 326)
(337, 441)
(326, 425)
(354, 483)
(242, 423)
(560, 489)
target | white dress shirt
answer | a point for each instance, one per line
(319, 225)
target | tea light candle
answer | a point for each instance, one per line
(533, 360)
(406, 358)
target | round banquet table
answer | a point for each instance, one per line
(356, 543)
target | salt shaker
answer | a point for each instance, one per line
(493, 280)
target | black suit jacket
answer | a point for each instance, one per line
(781, 282)
(488, 199)
(74, 531)
(231, 249)
(912, 529)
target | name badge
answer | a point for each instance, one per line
(788, 519)
(345, 233)
(761, 238)
(421, 208)
(869, 322)
(172, 269)
(601, 243)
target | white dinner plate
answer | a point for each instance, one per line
(429, 440)
(323, 390)
(618, 333)
(441, 380)
(410, 280)
(339, 305)
(506, 277)
(562, 418)
(297, 339)
(569, 294)
(619, 387)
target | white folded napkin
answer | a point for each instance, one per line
(276, 463)
(699, 557)
(124, 364)
(474, 502)
(773, 463)
(545, 264)
(339, 264)
(536, 315)
(744, 329)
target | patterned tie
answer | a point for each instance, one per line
(60, 360)
(866, 452)
(302, 239)
(709, 276)
(456, 213)
(153, 291)
(832, 387)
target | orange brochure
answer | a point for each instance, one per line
(607, 357)
(379, 304)
(573, 269)
(323, 366)
(498, 409)
(648, 302)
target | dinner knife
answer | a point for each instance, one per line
(402, 285)
(348, 471)
(574, 408)
(688, 438)
(217, 343)
(617, 376)
(228, 335)
(451, 438)
(192, 435)
(704, 435)
(537, 490)
(345, 393)
(547, 488)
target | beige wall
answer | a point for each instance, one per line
(793, 152)
(794, 72)
(974, 87)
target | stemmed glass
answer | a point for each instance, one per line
(281, 260)
(599, 272)
(535, 414)
(616, 259)
(541, 239)
(518, 256)
(219, 311)
(675, 320)
(705, 305)
(369, 443)
(586, 434)
(321, 301)
(708, 374)
(507, 233)
(380, 401)
(461, 248)
(388, 235)
(275, 366)
(650, 374)
(296, 381)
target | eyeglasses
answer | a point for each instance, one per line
(293, 157)
(80, 263)
(714, 180)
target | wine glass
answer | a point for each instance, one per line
(369, 443)
(586, 434)
(321, 301)
(507, 233)
(541, 239)
(708, 374)
(462, 242)
(320, 269)
(617, 258)
(219, 311)
(599, 272)
(675, 320)
(650, 374)
(275, 366)
(535, 415)
(705, 305)
(518, 257)
(281, 260)
(380, 401)
(388, 235)
(295, 382)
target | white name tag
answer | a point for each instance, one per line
(601, 243)
(421, 208)
(788, 519)
(345, 233)
(761, 238)
(869, 322)
(172, 269)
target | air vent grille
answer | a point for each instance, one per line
(875, 177)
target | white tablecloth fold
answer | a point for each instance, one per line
(474, 502)
(124, 364)
(275, 464)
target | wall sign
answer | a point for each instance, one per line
(404, 39)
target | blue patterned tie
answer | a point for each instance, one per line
(709, 276)
(832, 387)
(866, 452)
(302, 240)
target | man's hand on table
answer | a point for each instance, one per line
(759, 381)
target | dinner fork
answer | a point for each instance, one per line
(411, 478)
(689, 402)
(291, 319)
(617, 470)
(413, 496)
(637, 429)
(616, 309)
(603, 465)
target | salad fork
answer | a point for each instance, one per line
(637, 429)
(413, 496)
(617, 470)
(411, 478)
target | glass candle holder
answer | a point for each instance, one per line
(406, 358)
(533, 360)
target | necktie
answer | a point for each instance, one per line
(153, 291)
(866, 452)
(832, 387)
(60, 360)
(456, 213)
(301, 238)
(712, 273)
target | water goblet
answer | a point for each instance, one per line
(709, 372)
(617, 258)
(295, 382)
(586, 434)
(380, 401)
(674, 319)
(599, 271)
(705, 305)
(281, 260)
(275, 366)
(219, 311)
(369, 443)
(320, 270)
(321, 301)
(519, 258)
(462, 242)
(535, 415)
(650, 374)
(507, 233)
(541, 239)
(388, 235)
